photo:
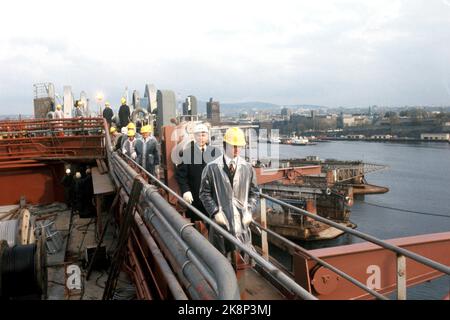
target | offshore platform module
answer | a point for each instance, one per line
(138, 226)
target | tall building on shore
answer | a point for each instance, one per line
(190, 106)
(213, 111)
(286, 113)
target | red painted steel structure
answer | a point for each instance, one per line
(33, 153)
(371, 265)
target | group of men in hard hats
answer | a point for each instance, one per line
(77, 112)
(78, 192)
(124, 114)
(221, 186)
(140, 146)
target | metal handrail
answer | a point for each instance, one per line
(428, 262)
(323, 263)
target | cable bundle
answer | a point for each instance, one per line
(20, 271)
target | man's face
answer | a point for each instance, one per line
(201, 138)
(130, 138)
(232, 151)
(145, 135)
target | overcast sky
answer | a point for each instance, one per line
(333, 53)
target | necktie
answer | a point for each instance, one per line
(232, 167)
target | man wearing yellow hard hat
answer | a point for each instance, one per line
(59, 114)
(130, 145)
(78, 112)
(228, 192)
(132, 126)
(147, 150)
(124, 113)
(108, 113)
(114, 135)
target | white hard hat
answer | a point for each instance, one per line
(200, 128)
(67, 171)
(124, 130)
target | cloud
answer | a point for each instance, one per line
(335, 53)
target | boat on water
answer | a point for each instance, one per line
(131, 240)
(300, 141)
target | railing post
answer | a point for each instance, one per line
(264, 243)
(401, 277)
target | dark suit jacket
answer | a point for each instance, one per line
(189, 172)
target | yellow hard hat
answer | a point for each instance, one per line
(123, 101)
(107, 104)
(235, 136)
(58, 107)
(112, 130)
(131, 133)
(146, 129)
(131, 125)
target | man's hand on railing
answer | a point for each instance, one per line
(247, 218)
(220, 218)
(187, 196)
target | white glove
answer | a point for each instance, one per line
(133, 155)
(187, 196)
(222, 220)
(247, 218)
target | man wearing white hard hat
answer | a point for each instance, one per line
(78, 189)
(188, 174)
(67, 182)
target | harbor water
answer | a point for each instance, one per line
(418, 179)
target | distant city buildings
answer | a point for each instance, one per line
(190, 106)
(286, 113)
(348, 120)
(213, 111)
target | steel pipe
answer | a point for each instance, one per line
(174, 287)
(171, 256)
(209, 254)
(190, 271)
(197, 285)
(188, 251)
